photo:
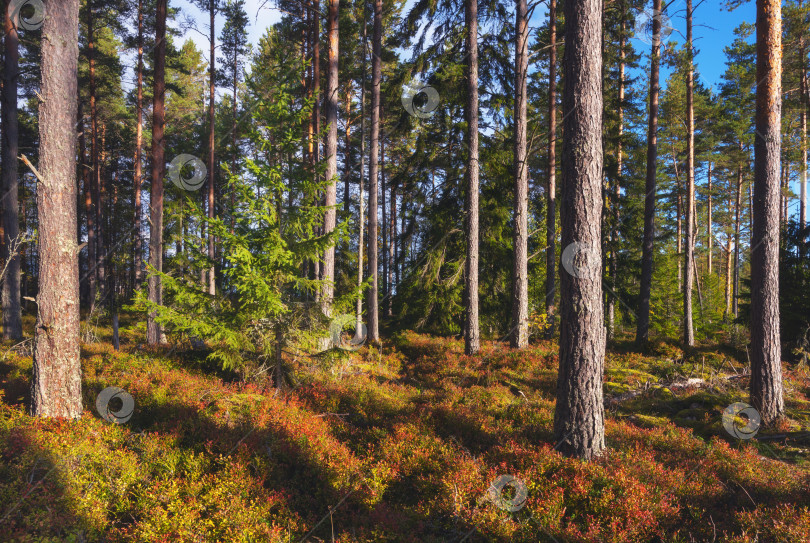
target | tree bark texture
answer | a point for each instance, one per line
(579, 427)
(519, 337)
(56, 387)
(766, 367)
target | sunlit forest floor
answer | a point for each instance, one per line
(400, 443)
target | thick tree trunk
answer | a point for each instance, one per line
(57, 380)
(330, 217)
(154, 334)
(376, 72)
(689, 264)
(643, 321)
(766, 366)
(212, 289)
(12, 313)
(519, 337)
(551, 187)
(579, 427)
(472, 340)
(137, 265)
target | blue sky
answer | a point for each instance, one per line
(714, 28)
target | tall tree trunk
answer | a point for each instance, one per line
(737, 218)
(384, 229)
(154, 334)
(751, 206)
(212, 289)
(803, 122)
(729, 271)
(234, 136)
(330, 217)
(785, 190)
(315, 117)
(376, 72)
(551, 188)
(643, 321)
(360, 220)
(472, 340)
(12, 313)
(348, 159)
(94, 153)
(519, 337)
(579, 426)
(316, 77)
(89, 212)
(397, 235)
(678, 218)
(138, 256)
(709, 235)
(689, 265)
(392, 242)
(57, 381)
(766, 366)
(102, 217)
(614, 235)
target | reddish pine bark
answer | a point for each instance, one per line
(155, 288)
(56, 388)
(766, 366)
(331, 104)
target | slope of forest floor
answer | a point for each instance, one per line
(400, 443)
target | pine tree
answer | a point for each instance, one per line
(56, 387)
(154, 333)
(579, 427)
(648, 241)
(766, 367)
(12, 314)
